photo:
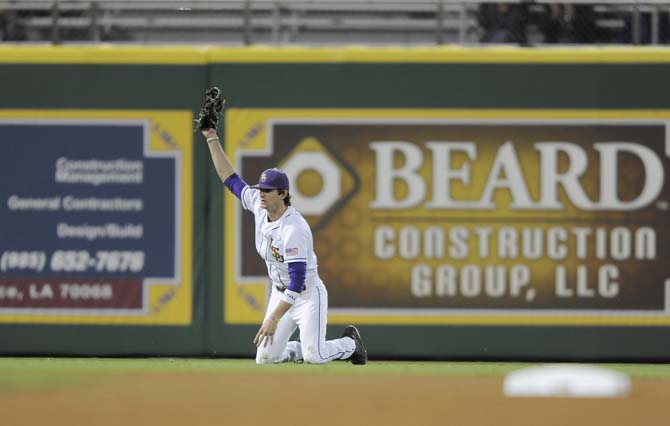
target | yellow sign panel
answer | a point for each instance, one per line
(465, 217)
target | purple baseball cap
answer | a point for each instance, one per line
(272, 179)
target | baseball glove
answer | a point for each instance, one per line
(211, 110)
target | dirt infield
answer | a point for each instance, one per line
(202, 399)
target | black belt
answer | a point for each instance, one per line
(280, 288)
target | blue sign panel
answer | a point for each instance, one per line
(87, 214)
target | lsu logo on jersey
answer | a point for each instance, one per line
(275, 252)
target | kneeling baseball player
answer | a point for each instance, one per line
(284, 240)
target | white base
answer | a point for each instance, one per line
(566, 380)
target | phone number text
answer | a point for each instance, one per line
(73, 261)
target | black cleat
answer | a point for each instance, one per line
(360, 356)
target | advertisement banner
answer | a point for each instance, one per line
(465, 217)
(96, 217)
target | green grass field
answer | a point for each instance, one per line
(182, 391)
(35, 373)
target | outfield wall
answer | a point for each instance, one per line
(466, 203)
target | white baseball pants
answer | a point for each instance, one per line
(309, 314)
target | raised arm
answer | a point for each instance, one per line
(223, 166)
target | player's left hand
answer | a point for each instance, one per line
(266, 333)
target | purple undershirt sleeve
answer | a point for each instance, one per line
(235, 184)
(297, 271)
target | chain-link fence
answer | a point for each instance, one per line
(328, 22)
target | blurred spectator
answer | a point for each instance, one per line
(583, 24)
(568, 23)
(553, 23)
(10, 29)
(646, 28)
(503, 23)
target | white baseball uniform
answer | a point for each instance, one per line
(280, 242)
